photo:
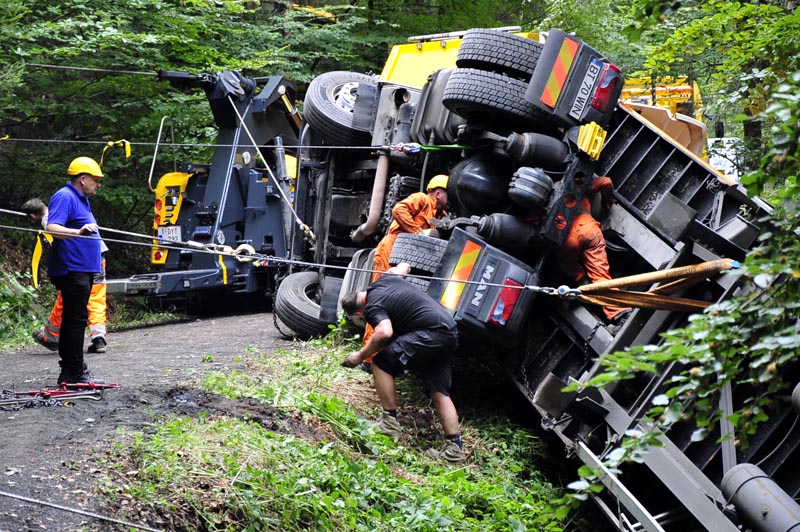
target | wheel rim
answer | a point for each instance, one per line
(344, 96)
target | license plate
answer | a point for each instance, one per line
(169, 233)
(585, 91)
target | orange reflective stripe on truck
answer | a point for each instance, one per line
(558, 76)
(462, 271)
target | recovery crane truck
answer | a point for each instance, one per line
(518, 125)
(234, 208)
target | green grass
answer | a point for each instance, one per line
(324, 468)
(236, 475)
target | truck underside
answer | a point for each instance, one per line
(496, 109)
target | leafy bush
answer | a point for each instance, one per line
(19, 308)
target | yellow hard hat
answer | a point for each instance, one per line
(437, 181)
(84, 165)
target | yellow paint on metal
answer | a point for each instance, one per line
(411, 63)
(168, 181)
(591, 138)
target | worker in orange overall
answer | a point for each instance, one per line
(410, 215)
(583, 256)
(37, 212)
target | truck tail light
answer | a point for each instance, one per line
(506, 301)
(605, 89)
(159, 204)
(158, 220)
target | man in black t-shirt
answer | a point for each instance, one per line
(412, 332)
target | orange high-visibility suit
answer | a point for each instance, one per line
(583, 256)
(96, 307)
(410, 215)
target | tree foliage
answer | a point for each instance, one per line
(81, 73)
(738, 51)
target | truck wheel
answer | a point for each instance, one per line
(423, 253)
(295, 306)
(499, 51)
(328, 107)
(420, 282)
(490, 99)
(357, 278)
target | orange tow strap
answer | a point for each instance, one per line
(607, 292)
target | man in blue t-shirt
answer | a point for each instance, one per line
(73, 261)
(412, 332)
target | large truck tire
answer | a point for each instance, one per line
(490, 99)
(328, 107)
(296, 308)
(420, 282)
(499, 51)
(423, 253)
(357, 278)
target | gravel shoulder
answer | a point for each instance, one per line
(52, 455)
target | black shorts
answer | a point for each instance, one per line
(426, 353)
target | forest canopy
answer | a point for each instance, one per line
(78, 74)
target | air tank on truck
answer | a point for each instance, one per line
(520, 125)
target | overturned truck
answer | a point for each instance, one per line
(519, 126)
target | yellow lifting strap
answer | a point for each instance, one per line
(41, 237)
(111, 143)
(609, 293)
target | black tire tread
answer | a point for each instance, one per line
(423, 253)
(499, 51)
(331, 122)
(489, 97)
(295, 309)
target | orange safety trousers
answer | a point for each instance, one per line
(96, 308)
(583, 254)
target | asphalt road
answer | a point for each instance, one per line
(52, 455)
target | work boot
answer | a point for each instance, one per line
(618, 321)
(388, 425)
(450, 452)
(98, 345)
(38, 336)
(87, 377)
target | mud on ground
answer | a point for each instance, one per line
(50, 454)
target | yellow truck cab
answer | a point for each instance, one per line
(521, 128)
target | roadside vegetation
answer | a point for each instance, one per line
(322, 467)
(24, 308)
